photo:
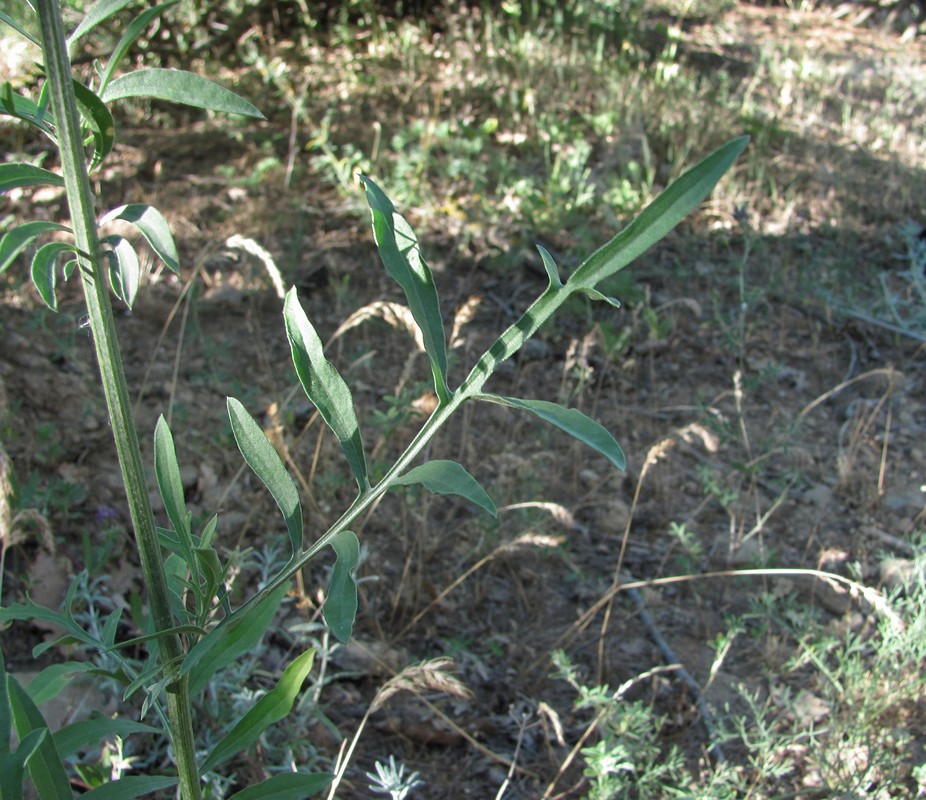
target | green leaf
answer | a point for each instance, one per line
(175, 571)
(100, 121)
(268, 710)
(152, 680)
(6, 718)
(14, 176)
(263, 458)
(110, 627)
(178, 86)
(401, 255)
(340, 607)
(214, 576)
(152, 225)
(53, 679)
(4, 17)
(45, 765)
(45, 270)
(132, 32)
(28, 611)
(97, 13)
(231, 639)
(550, 266)
(129, 787)
(15, 105)
(570, 420)
(173, 630)
(170, 485)
(324, 386)
(124, 269)
(18, 239)
(594, 294)
(13, 763)
(208, 532)
(658, 218)
(169, 540)
(285, 786)
(448, 477)
(89, 732)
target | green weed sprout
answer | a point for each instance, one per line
(194, 632)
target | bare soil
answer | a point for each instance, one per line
(778, 434)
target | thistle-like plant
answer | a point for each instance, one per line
(193, 630)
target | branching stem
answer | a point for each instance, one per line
(505, 346)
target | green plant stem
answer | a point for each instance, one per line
(506, 345)
(653, 223)
(115, 389)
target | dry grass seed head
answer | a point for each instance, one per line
(14, 527)
(427, 676)
(394, 314)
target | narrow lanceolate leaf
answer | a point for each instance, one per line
(13, 762)
(230, 640)
(45, 270)
(15, 105)
(6, 717)
(271, 708)
(89, 733)
(594, 294)
(324, 386)
(124, 268)
(449, 477)
(340, 607)
(45, 766)
(19, 238)
(153, 227)
(97, 13)
(99, 119)
(550, 266)
(213, 581)
(170, 485)
(10, 783)
(132, 32)
(53, 679)
(401, 255)
(263, 458)
(129, 787)
(570, 420)
(28, 611)
(14, 176)
(286, 786)
(178, 86)
(13, 765)
(6, 18)
(658, 218)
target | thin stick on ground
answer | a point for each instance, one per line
(673, 661)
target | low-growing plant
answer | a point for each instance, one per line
(190, 632)
(838, 720)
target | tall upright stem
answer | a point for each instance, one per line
(115, 389)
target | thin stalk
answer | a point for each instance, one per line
(505, 346)
(115, 390)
